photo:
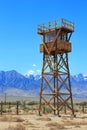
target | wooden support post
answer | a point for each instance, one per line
(83, 108)
(65, 109)
(44, 109)
(1, 107)
(5, 98)
(17, 112)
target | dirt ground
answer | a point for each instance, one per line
(33, 121)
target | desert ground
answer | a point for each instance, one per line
(26, 117)
(32, 121)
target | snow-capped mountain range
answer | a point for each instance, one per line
(14, 83)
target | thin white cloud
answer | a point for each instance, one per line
(34, 65)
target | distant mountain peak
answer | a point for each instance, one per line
(85, 76)
(30, 72)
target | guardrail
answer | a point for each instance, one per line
(56, 24)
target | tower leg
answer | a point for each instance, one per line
(72, 108)
(48, 93)
(64, 85)
(40, 106)
(55, 84)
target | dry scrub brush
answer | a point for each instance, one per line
(44, 119)
(55, 126)
(73, 123)
(17, 127)
(11, 119)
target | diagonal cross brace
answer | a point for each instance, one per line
(45, 45)
(55, 39)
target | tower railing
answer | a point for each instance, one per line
(56, 24)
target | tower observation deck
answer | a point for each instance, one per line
(55, 87)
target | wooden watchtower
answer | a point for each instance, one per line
(55, 87)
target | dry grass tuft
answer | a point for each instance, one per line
(18, 119)
(17, 127)
(55, 126)
(72, 123)
(27, 123)
(44, 119)
(11, 119)
(3, 118)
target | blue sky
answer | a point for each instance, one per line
(19, 41)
